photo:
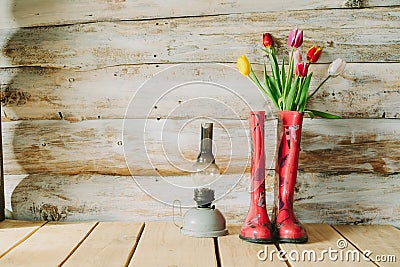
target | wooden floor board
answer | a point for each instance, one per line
(381, 240)
(235, 252)
(108, 245)
(323, 240)
(138, 244)
(161, 244)
(49, 246)
(12, 233)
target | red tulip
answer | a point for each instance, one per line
(314, 53)
(302, 69)
(295, 38)
(267, 40)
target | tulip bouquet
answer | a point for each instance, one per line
(289, 89)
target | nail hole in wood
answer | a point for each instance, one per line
(158, 118)
(119, 143)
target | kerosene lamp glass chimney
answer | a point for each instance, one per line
(205, 171)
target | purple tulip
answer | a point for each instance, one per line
(295, 38)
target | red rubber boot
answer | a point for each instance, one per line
(288, 227)
(257, 226)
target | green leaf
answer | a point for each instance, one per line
(310, 114)
(275, 70)
(289, 76)
(292, 94)
(322, 114)
(273, 97)
(267, 90)
(265, 75)
(283, 74)
(301, 105)
(289, 79)
(273, 87)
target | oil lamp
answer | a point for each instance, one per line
(204, 220)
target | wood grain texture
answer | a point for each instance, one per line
(70, 68)
(321, 237)
(44, 12)
(53, 249)
(380, 241)
(363, 91)
(235, 252)
(13, 233)
(169, 147)
(337, 198)
(109, 244)
(162, 244)
(206, 39)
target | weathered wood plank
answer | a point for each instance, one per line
(379, 242)
(322, 239)
(171, 146)
(13, 233)
(97, 147)
(237, 253)
(185, 90)
(337, 198)
(55, 241)
(207, 39)
(161, 244)
(110, 244)
(364, 91)
(45, 12)
(348, 198)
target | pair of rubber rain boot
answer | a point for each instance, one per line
(285, 226)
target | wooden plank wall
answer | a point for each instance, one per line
(72, 134)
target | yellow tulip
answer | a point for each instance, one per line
(243, 65)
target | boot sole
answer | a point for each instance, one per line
(257, 241)
(293, 240)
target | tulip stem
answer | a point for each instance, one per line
(320, 85)
(252, 76)
(289, 73)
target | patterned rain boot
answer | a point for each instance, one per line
(257, 226)
(287, 226)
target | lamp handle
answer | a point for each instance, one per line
(173, 212)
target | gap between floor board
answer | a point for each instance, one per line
(133, 250)
(78, 245)
(353, 244)
(23, 239)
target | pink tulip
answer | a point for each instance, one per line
(297, 57)
(295, 38)
(302, 69)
